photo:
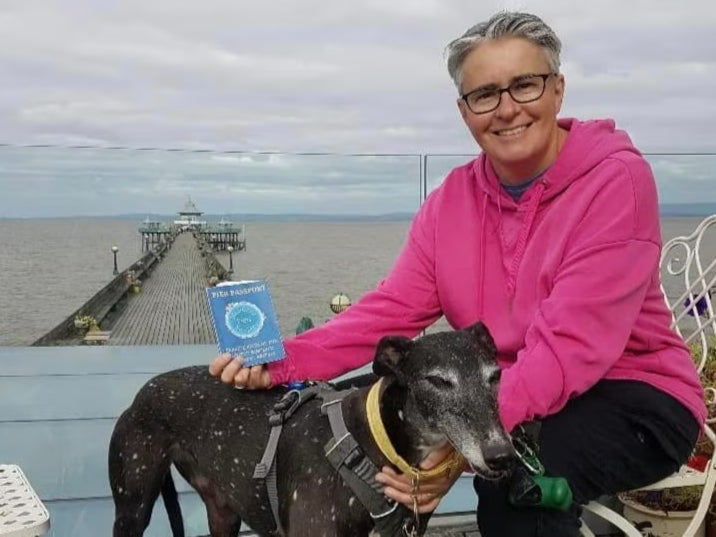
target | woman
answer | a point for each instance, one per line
(551, 238)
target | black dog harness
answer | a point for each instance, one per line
(357, 470)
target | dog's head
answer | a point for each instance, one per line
(450, 381)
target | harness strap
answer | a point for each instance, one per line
(355, 468)
(266, 469)
(358, 472)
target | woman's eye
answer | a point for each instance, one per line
(484, 96)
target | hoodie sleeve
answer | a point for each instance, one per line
(405, 302)
(582, 328)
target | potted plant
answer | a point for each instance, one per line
(134, 283)
(668, 512)
(662, 513)
(86, 322)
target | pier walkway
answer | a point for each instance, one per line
(172, 308)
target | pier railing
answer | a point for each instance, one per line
(101, 303)
(215, 270)
(157, 180)
(89, 386)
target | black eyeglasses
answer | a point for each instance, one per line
(523, 89)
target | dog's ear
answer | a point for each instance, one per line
(480, 332)
(391, 350)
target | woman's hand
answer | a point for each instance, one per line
(232, 371)
(399, 487)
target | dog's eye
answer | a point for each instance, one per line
(494, 378)
(439, 382)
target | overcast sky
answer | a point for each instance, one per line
(346, 77)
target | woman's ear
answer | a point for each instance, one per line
(462, 107)
(559, 85)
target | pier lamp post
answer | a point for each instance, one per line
(230, 249)
(114, 253)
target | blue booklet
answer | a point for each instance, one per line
(245, 321)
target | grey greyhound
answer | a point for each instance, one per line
(439, 388)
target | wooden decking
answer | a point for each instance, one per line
(457, 525)
(171, 309)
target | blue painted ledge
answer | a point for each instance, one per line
(58, 406)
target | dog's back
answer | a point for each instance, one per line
(440, 388)
(215, 435)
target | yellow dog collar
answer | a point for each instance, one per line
(454, 462)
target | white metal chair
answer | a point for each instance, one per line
(22, 514)
(688, 281)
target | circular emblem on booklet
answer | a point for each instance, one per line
(244, 319)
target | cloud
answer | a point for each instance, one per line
(310, 76)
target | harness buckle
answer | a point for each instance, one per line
(394, 505)
(276, 419)
(343, 451)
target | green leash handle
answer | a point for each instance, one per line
(555, 492)
(539, 491)
(529, 487)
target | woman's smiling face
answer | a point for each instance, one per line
(519, 139)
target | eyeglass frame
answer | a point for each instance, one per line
(500, 91)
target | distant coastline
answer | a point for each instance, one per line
(665, 210)
(687, 209)
(239, 218)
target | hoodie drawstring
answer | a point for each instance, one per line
(483, 236)
(524, 235)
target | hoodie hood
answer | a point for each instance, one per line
(588, 144)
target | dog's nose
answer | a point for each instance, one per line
(498, 456)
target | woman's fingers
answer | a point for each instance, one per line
(424, 501)
(390, 478)
(218, 364)
(434, 485)
(399, 487)
(232, 371)
(256, 377)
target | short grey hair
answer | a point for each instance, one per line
(503, 24)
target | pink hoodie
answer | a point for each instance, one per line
(566, 280)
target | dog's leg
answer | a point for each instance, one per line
(223, 521)
(138, 465)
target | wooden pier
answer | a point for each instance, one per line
(160, 299)
(171, 308)
(154, 233)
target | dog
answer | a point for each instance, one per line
(436, 389)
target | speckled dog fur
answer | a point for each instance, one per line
(441, 387)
